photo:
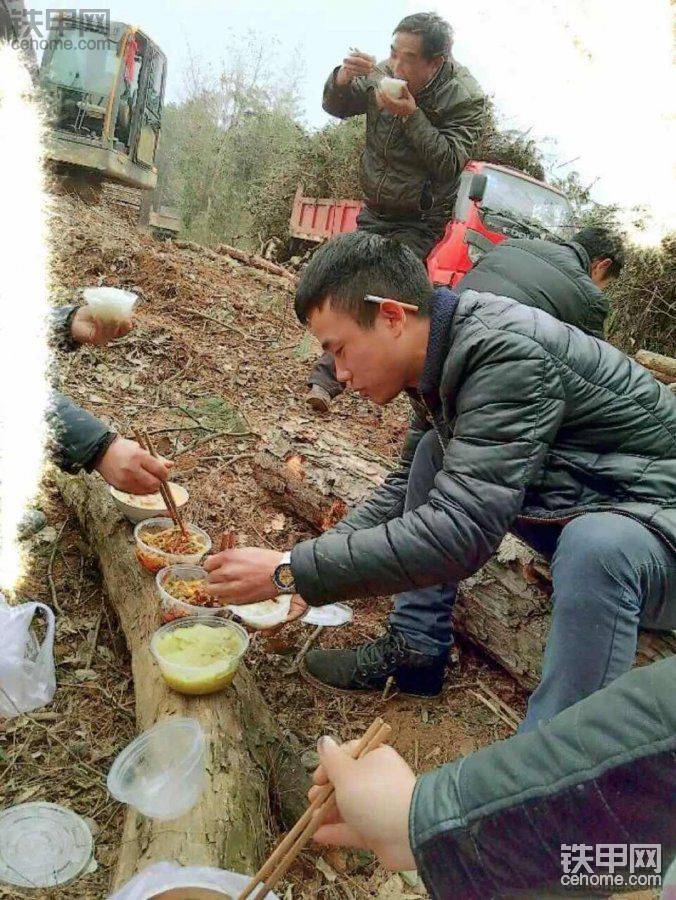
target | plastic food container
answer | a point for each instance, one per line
(172, 881)
(109, 304)
(153, 559)
(161, 773)
(199, 654)
(43, 845)
(138, 507)
(174, 607)
(265, 614)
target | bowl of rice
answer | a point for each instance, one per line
(138, 507)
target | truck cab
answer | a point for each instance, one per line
(104, 87)
(496, 202)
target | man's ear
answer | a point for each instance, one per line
(393, 312)
(599, 268)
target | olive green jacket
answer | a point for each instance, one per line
(411, 165)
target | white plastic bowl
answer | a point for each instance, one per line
(153, 559)
(161, 773)
(265, 614)
(135, 508)
(174, 607)
(109, 304)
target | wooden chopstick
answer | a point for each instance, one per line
(288, 849)
(288, 841)
(143, 439)
(227, 541)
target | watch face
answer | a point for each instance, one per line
(284, 575)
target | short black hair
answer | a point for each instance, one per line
(602, 243)
(435, 32)
(350, 266)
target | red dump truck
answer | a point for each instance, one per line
(494, 202)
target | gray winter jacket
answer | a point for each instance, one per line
(553, 277)
(602, 772)
(77, 439)
(538, 421)
(410, 166)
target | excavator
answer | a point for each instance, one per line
(103, 87)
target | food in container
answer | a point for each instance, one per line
(181, 590)
(172, 881)
(265, 614)
(393, 87)
(109, 304)
(160, 543)
(137, 507)
(199, 655)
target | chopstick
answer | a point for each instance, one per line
(143, 439)
(280, 860)
(227, 541)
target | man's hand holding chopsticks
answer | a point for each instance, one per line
(243, 575)
(130, 468)
(372, 802)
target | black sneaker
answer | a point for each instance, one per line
(368, 667)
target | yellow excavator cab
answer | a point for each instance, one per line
(104, 87)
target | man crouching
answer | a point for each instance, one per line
(521, 423)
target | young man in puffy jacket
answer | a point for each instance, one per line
(565, 280)
(416, 145)
(521, 423)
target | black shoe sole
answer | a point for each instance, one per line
(359, 692)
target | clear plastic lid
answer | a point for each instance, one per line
(43, 845)
(331, 615)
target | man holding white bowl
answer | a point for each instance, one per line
(424, 114)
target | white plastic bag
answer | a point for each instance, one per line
(27, 675)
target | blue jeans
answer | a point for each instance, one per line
(609, 574)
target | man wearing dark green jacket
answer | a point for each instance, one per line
(521, 422)
(78, 440)
(566, 280)
(416, 145)
(584, 804)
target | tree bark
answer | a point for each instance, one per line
(505, 608)
(657, 362)
(248, 760)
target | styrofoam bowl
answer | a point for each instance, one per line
(393, 87)
(109, 304)
(135, 506)
(266, 614)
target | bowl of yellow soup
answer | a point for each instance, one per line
(199, 654)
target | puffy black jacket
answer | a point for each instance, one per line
(410, 167)
(77, 439)
(553, 277)
(537, 420)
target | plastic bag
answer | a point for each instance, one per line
(27, 674)
(163, 876)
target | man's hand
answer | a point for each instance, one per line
(129, 468)
(372, 802)
(85, 328)
(402, 106)
(354, 65)
(243, 575)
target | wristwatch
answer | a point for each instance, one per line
(282, 577)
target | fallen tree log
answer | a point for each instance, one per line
(657, 362)
(248, 760)
(505, 608)
(257, 262)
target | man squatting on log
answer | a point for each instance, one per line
(522, 423)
